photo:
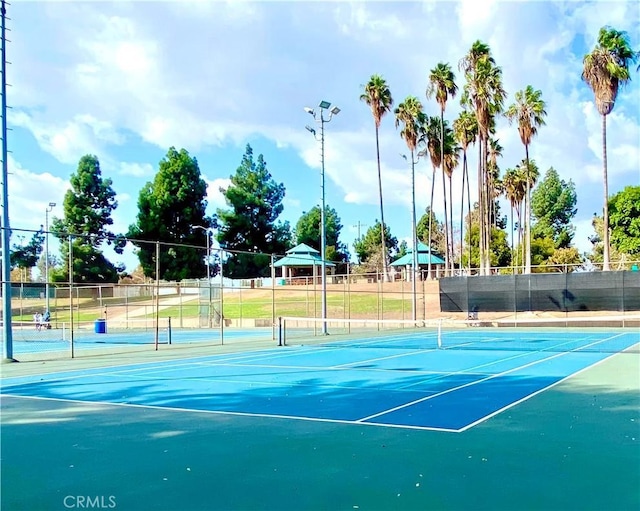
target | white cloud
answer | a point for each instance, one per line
(206, 75)
(215, 197)
(34, 192)
(136, 169)
(68, 140)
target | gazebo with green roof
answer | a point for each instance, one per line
(424, 256)
(302, 261)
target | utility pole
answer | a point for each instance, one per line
(358, 226)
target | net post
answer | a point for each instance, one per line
(169, 329)
(440, 333)
(279, 330)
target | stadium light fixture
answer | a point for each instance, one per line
(320, 119)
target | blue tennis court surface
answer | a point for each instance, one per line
(443, 389)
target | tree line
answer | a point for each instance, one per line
(483, 99)
(172, 207)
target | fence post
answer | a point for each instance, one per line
(157, 313)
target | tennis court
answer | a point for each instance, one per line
(434, 387)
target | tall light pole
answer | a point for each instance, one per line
(209, 232)
(320, 119)
(7, 333)
(46, 253)
(414, 241)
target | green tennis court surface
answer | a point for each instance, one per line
(332, 428)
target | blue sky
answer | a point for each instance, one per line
(127, 80)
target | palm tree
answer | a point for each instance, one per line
(493, 177)
(442, 85)
(514, 190)
(529, 112)
(378, 96)
(430, 137)
(465, 129)
(605, 69)
(485, 93)
(409, 114)
(450, 160)
(528, 175)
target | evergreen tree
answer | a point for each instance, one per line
(168, 209)
(553, 204)
(249, 226)
(308, 227)
(437, 242)
(26, 257)
(624, 220)
(88, 206)
(368, 247)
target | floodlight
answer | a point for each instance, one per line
(310, 130)
(324, 104)
(309, 110)
(52, 204)
(335, 110)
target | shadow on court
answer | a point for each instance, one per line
(575, 446)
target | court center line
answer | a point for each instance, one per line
(469, 384)
(500, 360)
(470, 343)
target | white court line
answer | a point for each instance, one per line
(487, 364)
(241, 414)
(469, 384)
(529, 396)
(330, 420)
(470, 343)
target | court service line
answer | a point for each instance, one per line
(469, 384)
(529, 396)
(241, 414)
(470, 343)
(498, 361)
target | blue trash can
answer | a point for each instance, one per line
(101, 326)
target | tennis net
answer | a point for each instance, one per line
(606, 334)
(130, 331)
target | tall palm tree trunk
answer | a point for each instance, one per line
(521, 243)
(447, 259)
(464, 177)
(513, 248)
(487, 209)
(488, 201)
(605, 212)
(527, 268)
(480, 210)
(383, 244)
(433, 186)
(466, 171)
(451, 222)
